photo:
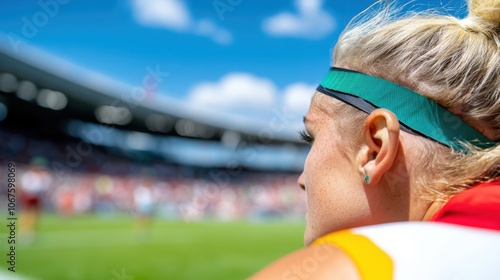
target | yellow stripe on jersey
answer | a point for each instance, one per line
(371, 261)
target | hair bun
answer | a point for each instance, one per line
(487, 12)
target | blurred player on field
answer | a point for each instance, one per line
(144, 207)
(33, 182)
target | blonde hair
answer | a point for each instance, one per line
(455, 62)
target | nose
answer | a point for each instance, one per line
(301, 181)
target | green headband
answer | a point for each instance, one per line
(415, 111)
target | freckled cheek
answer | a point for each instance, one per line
(318, 180)
(314, 184)
(318, 214)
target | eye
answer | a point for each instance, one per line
(306, 137)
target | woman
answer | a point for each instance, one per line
(405, 127)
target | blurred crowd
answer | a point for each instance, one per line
(70, 177)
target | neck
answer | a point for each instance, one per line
(432, 209)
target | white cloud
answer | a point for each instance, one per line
(207, 28)
(174, 15)
(311, 22)
(171, 14)
(236, 91)
(297, 97)
(247, 94)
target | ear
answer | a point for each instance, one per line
(380, 144)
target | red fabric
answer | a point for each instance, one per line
(476, 207)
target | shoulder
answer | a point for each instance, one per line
(319, 261)
(339, 255)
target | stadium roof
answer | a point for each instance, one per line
(44, 94)
(84, 95)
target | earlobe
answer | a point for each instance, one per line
(380, 141)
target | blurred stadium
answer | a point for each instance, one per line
(132, 185)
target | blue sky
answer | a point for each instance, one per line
(240, 56)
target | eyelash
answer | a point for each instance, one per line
(306, 137)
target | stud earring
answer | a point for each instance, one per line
(367, 179)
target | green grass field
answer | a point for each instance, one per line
(96, 248)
